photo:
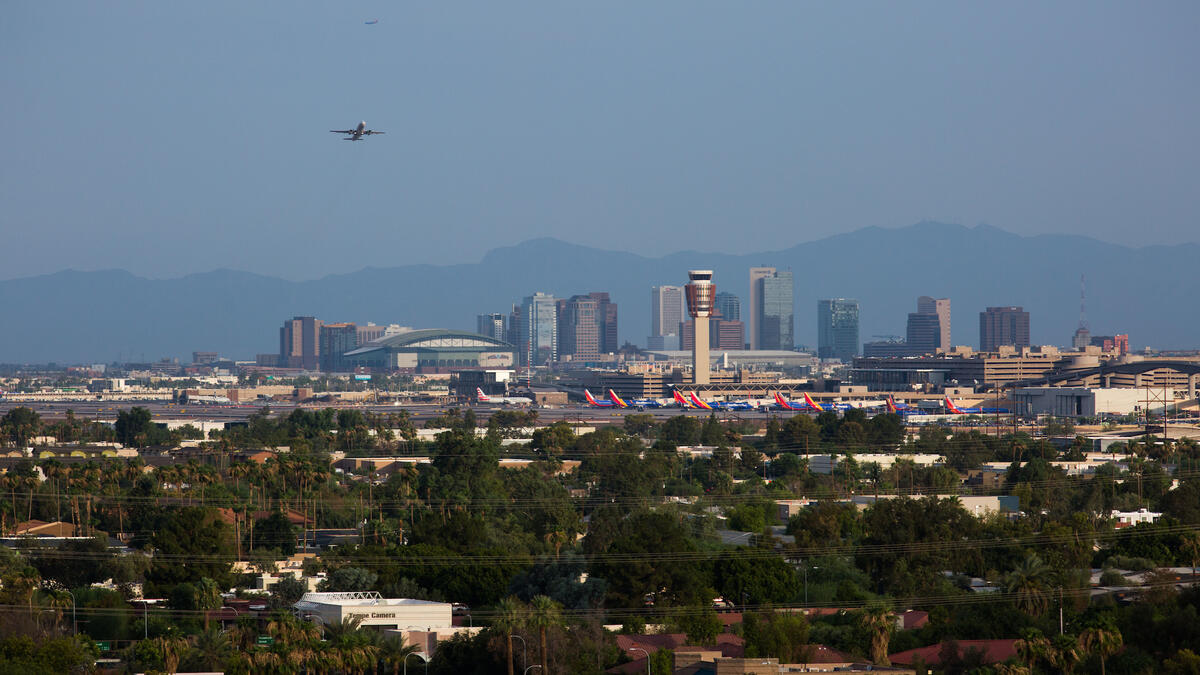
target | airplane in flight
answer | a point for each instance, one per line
(601, 403)
(356, 133)
(953, 409)
(504, 400)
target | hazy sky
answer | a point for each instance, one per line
(168, 138)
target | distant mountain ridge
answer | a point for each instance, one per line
(1150, 292)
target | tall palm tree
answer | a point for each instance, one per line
(879, 622)
(1064, 653)
(214, 648)
(545, 613)
(392, 650)
(1032, 647)
(1030, 583)
(509, 614)
(1103, 640)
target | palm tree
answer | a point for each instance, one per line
(214, 648)
(1030, 584)
(1191, 546)
(172, 650)
(1031, 647)
(393, 650)
(1064, 653)
(1103, 640)
(879, 622)
(546, 613)
(509, 613)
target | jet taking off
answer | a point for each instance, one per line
(356, 133)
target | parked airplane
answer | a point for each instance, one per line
(515, 400)
(598, 403)
(639, 403)
(788, 405)
(973, 411)
(720, 405)
(823, 407)
(357, 132)
(680, 400)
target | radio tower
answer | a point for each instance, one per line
(1083, 335)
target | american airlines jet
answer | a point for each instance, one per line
(356, 133)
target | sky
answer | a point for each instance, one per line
(173, 138)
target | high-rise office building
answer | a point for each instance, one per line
(837, 329)
(578, 327)
(939, 307)
(757, 274)
(538, 340)
(606, 316)
(667, 310)
(1003, 326)
(299, 343)
(728, 305)
(774, 311)
(336, 340)
(493, 325)
(924, 333)
(722, 334)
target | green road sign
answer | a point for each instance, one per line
(265, 640)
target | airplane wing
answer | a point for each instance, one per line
(341, 131)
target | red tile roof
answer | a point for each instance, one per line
(994, 651)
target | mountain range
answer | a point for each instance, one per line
(1149, 293)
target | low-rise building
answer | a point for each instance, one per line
(374, 610)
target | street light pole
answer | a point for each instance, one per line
(523, 647)
(74, 621)
(639, 649)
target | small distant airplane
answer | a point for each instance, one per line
(788, 405)
(697, 402)
(516, 400)
(639, 403)
(955, 410)
(599, 403)
(356, 133)
(680, 400)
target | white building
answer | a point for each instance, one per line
(1131, 518)
(825, 463)
(1078, 401)
(372, 609)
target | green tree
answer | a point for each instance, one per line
(133, 427)
(1030, 583)
(510, 615)
(544, 614)
(1101, 639)
(349, 579)
(19, 425)
(879, 623)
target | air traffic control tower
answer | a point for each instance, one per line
(700, 294)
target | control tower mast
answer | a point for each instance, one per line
(700, 294)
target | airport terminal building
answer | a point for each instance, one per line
(432, 351)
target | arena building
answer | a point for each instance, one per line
(433, 351)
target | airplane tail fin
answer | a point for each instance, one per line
(782, 401)
(481, 396)
(951, 407)
(617, 400)
(811, 403)
(891, 405)
(590, 399)
(698, 403)
(680, 399)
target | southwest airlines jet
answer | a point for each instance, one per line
(972, 411)
(720, 405)
(638, 403)
(599, 403)
(788, 405)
